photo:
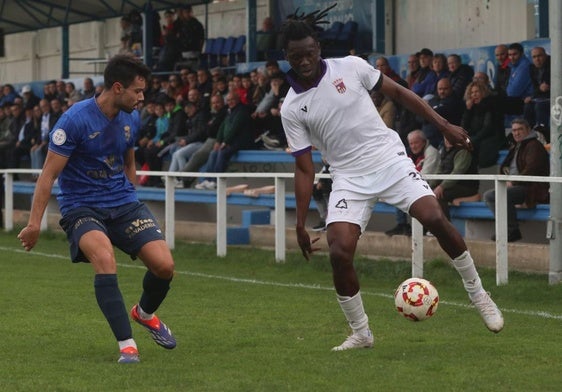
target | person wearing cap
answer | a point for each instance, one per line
(426, 77)
(29, 98)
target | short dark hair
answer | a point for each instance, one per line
(124, 69)
(516, 46)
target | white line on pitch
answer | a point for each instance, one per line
(533, 313)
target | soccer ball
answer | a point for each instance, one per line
(416, 299)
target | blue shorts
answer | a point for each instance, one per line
(129, 227)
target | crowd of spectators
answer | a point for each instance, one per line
(196, 119)
(520, 97)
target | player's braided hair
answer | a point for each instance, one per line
(300, 25)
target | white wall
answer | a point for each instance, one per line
(36, 55)
(437, 24)
(448, 24)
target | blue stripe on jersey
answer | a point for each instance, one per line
(95, 147)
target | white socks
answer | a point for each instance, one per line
(143, 315)
(466, 269)
(126, 343)
(354, 312)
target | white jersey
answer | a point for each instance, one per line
(338, 117)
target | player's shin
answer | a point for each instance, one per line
(354, 312)
(112, 305)
(466, 269)
(154, 292)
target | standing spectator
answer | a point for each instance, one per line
(448, 105)
(519, 85)
(526, 157)
(426, 161)
(461, 75)
(190, 34)
(265, 38)
(502, 69)
(171, 50)
(426, 77)
(454, 160)
(199, 157)
(537, 106)
(484, 124)
(235, 133)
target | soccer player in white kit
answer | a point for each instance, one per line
(329, 107)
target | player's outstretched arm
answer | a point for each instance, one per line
(455, 134)
(54, 163)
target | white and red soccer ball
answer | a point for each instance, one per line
(416, 299)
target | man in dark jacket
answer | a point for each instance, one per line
(537, 106)
(527, 157)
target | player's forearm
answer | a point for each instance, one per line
(303, 194)
(41, 198)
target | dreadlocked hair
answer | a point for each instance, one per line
(300, 25)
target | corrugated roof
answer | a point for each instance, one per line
(26, 15)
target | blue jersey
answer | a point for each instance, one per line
(95, 147)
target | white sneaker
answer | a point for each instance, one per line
(211, 185)
(489, 311)
(178, 183)
(356, 340)
(202, 185)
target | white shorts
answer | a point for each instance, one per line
(353, 198)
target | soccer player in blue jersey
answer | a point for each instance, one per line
(91, 152)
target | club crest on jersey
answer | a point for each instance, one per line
(59, 137)
(339, 85)
(127, 130)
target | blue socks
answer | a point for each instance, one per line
(155, 290)
(112, 305)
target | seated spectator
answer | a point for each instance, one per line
(38, 151)
(454, 160)
(187, 145)
(461, 75)
(526, 157)
(200, 157)
(72, 94)
(502, 70)
(383, 65)
(426, 160)
(278, 89)
(155, 92)
(23, 126)
(386, 108)
(50, 90)
(537, 105)
(484, 123)
(235, 133)
(448, 105)
(413, 69)
(88, 88)
(439, 68)
(30, 100)
(274, 137)
(7, 138)
(9, 95)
